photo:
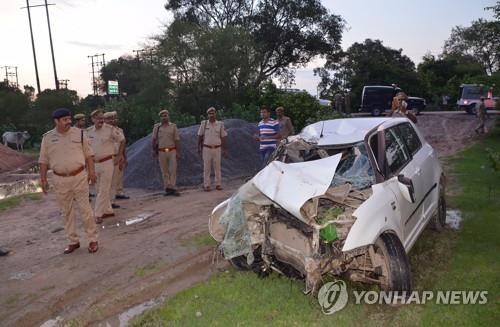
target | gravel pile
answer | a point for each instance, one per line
(243, 157)
(11, 159)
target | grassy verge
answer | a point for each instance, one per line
(199, 240)
(14, 201)
(452, 260)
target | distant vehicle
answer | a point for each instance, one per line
(325, 102)
(416, 105)
(378, 98)
(470, 94)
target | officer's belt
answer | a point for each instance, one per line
(73, 173)
(166, 149)
(211, 146)
(104, 159)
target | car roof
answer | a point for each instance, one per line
(343, 131)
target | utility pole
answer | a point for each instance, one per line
(9, 73)
(63, 83)
(96, 63)
(144, 53)
(33, 45)
(51, 46)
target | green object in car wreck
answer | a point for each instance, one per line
(329, 233)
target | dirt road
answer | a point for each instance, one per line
(136, 262)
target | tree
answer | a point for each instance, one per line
(219, 50)
(481, 40)
(368, 63)
(444, 74)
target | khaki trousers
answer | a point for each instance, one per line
(211, 157)
(168, 166)
(104, 173)
(70, 190)
(116, 182)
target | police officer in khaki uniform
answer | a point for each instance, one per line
(66, 151)
(166, 146)
(102, 140)
(286, 126)
(211, 140)
(79, 120)
(111, 118)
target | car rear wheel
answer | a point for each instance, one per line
(391, 263)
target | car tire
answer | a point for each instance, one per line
(376, 112)
(472, 109)
(438, 220)
(397, 267)
(240, 262)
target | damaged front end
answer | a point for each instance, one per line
(295, 215)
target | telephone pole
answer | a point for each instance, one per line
(11, 73)
(33, 45)
(63, 83)
(51, 46)
(95, 64)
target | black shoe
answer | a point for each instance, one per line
(122, 197)
(91, 195)
(171, 191)
(3, 252)
(115, 206)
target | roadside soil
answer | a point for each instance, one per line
(136, 262)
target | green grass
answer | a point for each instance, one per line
(199, 240)
(14, 201)
(468, 259)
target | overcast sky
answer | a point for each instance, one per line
(116, 27)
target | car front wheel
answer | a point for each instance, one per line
(391, 263)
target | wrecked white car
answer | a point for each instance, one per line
(347, 197)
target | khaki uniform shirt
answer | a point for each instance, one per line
(166, 135)
(65, 153)
(286, 127)
(103, 140)
(212, 132)
(117, 144)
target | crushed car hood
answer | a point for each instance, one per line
(291, 185)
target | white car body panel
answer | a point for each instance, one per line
(375, 216)
(291, 185)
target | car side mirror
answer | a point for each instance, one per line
(406, 187)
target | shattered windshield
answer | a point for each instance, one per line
(354, 168)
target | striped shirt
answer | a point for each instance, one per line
(269, 128)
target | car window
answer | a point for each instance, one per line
(410, 138)
(395, 151)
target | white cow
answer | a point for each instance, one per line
(17, 138)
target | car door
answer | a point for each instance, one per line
(399, 162)
(428, 170)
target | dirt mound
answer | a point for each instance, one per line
(243, 157)
(11, 159)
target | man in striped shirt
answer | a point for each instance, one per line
(268, 134)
